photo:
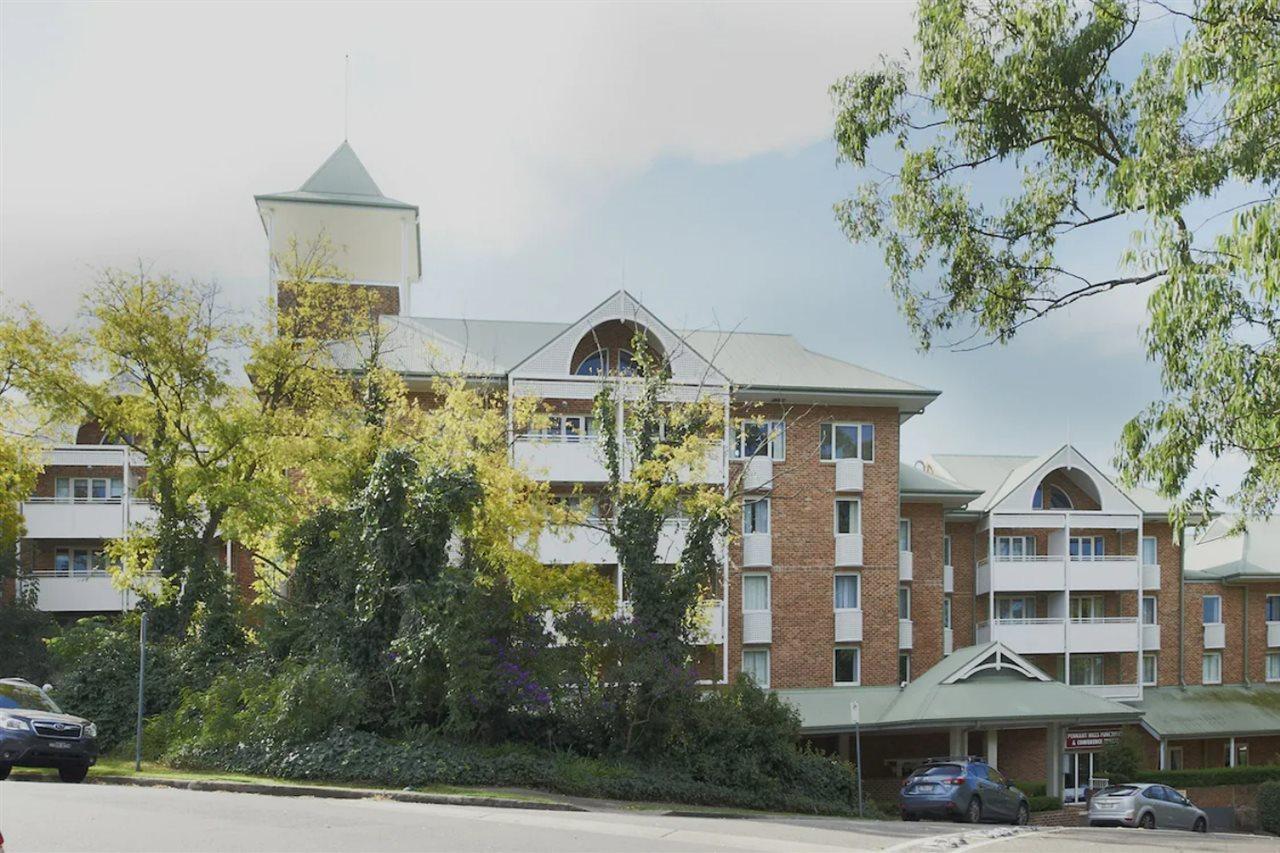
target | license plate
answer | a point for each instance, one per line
(59, 744)
(926, 789)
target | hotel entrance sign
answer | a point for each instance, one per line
(1089, 740)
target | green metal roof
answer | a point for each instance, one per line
(1218, 711)
(973, 686)
(341, 179)
(915, 483)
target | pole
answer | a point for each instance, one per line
(857, 749)
(142, 675)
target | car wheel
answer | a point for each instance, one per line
(73, 773)
(4, 771)
(973, 814)
(908, 816)
(1201, 825)
(1024, 815)
(1147, 821)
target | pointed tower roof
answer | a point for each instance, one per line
(341, 179)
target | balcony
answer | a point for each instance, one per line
(1107, 634)
(905, 566)
(1215, 636)
(91, 592)
(904, 633)
(757, 474)
(562, 546)
(1150, 576)
(1026, 636)
(948, 579)
(1103, 572)
(1151, 637)
(50, 518)
(848, 475)
(711, 624)
(1273, 634)
(757, 626)
(948, 641)
(849, 626)
(1039, 573)
(1114, 692)
(757, 550)
(848, 549)
(580, 461)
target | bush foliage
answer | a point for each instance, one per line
(1209, 777)
(1269, 806)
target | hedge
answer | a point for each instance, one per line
(1269, 807)
(1042, 803)
(1209, 777)
(1031, 789)
(348, 757)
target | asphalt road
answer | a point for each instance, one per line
(39, 816)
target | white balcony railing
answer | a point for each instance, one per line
(948, 641)
(1108, 634)
(848, 475)
(757, 474)
(948, 579)
(757, 626)
(905, 631)
(1037, 573)
(906, 566)
(1026, 636)
(1215, 636)
(88, 592)
(51, 518)
(849, 626)
(580, 461)
(1273, 634)
(711, 623)
(1150, 576)
(848, 549)
(757, 550)
(562, 546)
(1103, 572)
(1151, 637)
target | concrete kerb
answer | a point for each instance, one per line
(325, 792)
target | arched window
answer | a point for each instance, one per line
(1058, 499)
(595, 364)
(627, 363)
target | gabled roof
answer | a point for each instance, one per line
(1221, 553)
(915, 484)
(1216, 711)
(341, 179)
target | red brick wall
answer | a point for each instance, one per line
(926, 584)
(962, 602)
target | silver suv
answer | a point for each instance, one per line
(1146, 805)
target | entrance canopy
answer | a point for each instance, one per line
(980, 686)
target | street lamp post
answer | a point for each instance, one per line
(857, 746)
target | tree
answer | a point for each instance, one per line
(1033, 97)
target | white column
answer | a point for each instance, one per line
(957, 745)
(1164, 754)
(1053, 760)
(1231, 759)
(1066, 599)
(993, 748)
(1140, 592)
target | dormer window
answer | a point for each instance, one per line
(1058, 499)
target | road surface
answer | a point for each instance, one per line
(41, 816)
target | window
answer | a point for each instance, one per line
(87, 488)
(1015, 607)
(755, 516)
(568, 428)
(62, 489)
(1212, 609)
(848, 515)
(1175, 758)
(904, 602)
(1242, 754)
(1015, 546)
(1149, 610)
(847, 592)
(596, 364)
(1086, 669)
(1273, 608)
(1058, 499)
(755, 593)
(946, 551)
(1087, 547)
(1086, 608)
(761, 438)
(904, 667)
(846, 441)
(79, 561)
(1211, 668)
(1273, 666)
(848, 665)
(755, 664)
(1149, 670)
(627, 363)
(904, 534)
(117, 488)
(946, 611)
(1149, 557)
(62, 562)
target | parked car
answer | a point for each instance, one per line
(962, 788)
(35, 733)
(1147, 805)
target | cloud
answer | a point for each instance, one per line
(144, 130)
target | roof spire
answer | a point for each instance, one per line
(346, 97)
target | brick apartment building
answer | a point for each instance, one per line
(1024, 607)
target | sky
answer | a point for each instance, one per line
(557, 152)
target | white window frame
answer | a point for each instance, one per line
(94, 561)
(833, 426)
(1204, 667)
(857, 666)
(1040, 493)
(775, 447)
(946, 551)
(1268, 673)
(1155, 610)
(1028, 605)
(901, 589)
(1266, 606)
(768, 666)
(1207, 598)
(1097, 670)
(904, 656)
(946, 611)
(558, 429)
(1176, 758)
(904, 523)
(1097, 547)
(88, 482)
(1155, 669)
(1098, 604)
(768, 517)
(855, 517)
(1155, 550)
(857, 583)
(768, 592)
(604, 363)
(1028, 547)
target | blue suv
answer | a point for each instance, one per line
(35, 733)
(965, 788)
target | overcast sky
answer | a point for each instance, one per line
(557, 152)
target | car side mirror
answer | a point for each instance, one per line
(48, 688)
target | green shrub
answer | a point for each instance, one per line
(23, 631)
(1031, 789)
(1043, 803)
(1121, 759)
(1210, 776)
(1269, 807)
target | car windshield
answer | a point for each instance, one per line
(939, 770)
(26, 697)
(1117, 791)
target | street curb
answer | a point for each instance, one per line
(322, 792)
